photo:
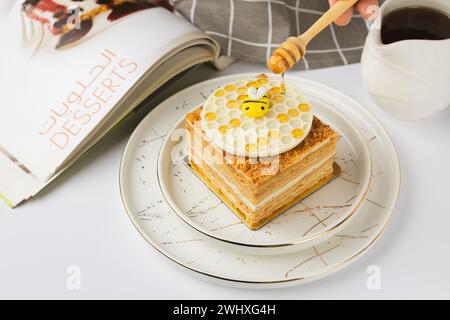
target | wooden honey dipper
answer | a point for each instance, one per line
(294, 48)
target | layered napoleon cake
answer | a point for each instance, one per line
(259, 149)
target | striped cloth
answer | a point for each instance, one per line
(251, 29)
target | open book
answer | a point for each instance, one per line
(70, 71)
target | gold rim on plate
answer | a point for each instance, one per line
(328, 270)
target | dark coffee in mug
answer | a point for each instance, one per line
(415, 23)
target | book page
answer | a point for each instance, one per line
(56, 89)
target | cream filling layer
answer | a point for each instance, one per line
(260, 216)
(275, 194)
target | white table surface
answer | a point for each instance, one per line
(79, 220)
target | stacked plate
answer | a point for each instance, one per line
(184, 220)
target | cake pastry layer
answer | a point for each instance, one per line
(258, 190)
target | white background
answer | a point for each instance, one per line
(79, 220)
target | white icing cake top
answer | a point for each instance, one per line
(266, 123)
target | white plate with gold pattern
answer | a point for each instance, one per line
(167, 233)
(298, 227)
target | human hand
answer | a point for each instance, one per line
(363, 6)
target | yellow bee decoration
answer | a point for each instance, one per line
(256, 103)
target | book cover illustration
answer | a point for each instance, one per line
(71, 20)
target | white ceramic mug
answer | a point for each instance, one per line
(409, 79)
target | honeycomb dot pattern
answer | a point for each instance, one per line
(283, 127)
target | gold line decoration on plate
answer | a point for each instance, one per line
(172, 237)
(296, 226)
